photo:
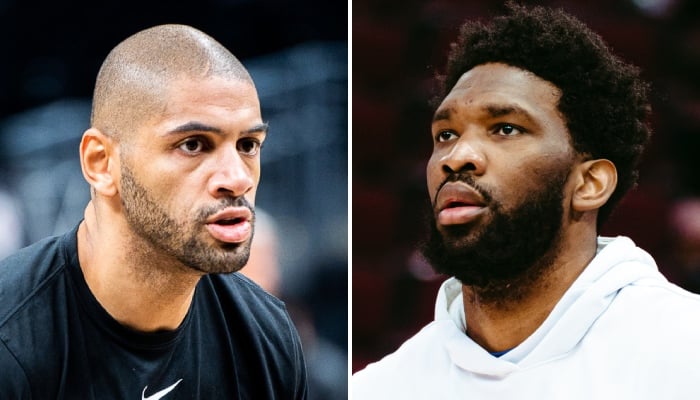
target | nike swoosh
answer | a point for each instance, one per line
(161, 394)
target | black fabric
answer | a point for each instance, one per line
(57, 342)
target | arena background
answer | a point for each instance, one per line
(296, 52)
(397, 48)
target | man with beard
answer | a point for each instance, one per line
(142, 298)
(536, 137)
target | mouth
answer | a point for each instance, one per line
(231, 225)
(458, 204)
(229, 221)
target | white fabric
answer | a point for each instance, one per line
(621, 331)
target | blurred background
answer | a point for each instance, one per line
(297, 54)
(398, 46)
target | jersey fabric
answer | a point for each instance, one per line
(57, 342)
(621, 331)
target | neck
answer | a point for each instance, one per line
(136, 285)
(499, 324)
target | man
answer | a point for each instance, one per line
(536, 138)
(141, 298)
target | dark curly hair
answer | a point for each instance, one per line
(603, 100)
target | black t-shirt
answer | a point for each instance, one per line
(57, 342)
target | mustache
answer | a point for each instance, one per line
(467, 178)
(226, 202)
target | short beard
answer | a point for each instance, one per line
(181, 240)
(506, 259)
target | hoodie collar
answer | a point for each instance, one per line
(618, 263)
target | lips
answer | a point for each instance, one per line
(457, 203)
(231, 225)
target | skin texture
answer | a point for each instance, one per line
(501, 127)
(148, 233)
(225, 167)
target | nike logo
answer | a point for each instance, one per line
(159, 395)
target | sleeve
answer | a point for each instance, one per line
(13, 379)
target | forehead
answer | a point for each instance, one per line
(185, 93)
(500, 85)
(228, 105)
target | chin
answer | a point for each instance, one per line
(463, 236)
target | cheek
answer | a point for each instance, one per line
(175, 190)
(531, 177)
(433, 177)
(164, 193)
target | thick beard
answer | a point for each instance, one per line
(181, 239)
(506, 259)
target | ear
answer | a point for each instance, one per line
(99, 161)
(595, 182)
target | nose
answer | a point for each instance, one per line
(232, 176)
(465, 155)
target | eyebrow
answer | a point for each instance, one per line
(201, 127)
(259, 128)
(493, 110)
(441, 115)
(498, 110)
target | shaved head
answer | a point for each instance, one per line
(133, 81)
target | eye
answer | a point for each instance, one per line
(249, 146)
(193, 145)
(444, 136)
(508, 130)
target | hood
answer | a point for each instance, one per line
(618, 263)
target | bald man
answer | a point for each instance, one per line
(142, 297)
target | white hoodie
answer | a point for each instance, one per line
(621, 331)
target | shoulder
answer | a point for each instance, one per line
(244, 304)
(263, 329)
(32, 297)
(655, 318)
(26, 273)
(38, 255)
(659, 296)
(13, 379)
(645, 304)
(422, 358)
(244, 292)
(661, 301)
